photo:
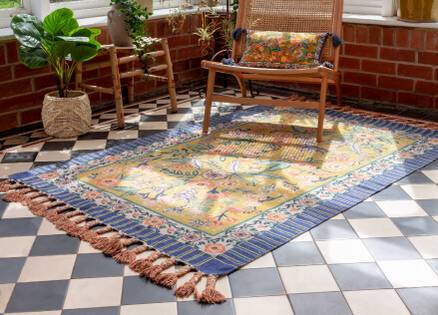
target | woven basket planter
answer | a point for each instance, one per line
(66, 117)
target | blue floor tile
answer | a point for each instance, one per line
(256, 282)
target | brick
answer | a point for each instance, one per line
(378, 66)
(388, 36)
(402, 37)
(2, 55)
(45, 82)
(21, 71)
(362, 35)
(436, 74)
(361, 51)
(349, 34)
(13, 88)
(360, 78)
(425, 87)
(378, 94)
(394, 83)
(5, 73)
(432, 40)
(350, 90)
(22, 101)
(30, 116)
(397, 54)
(429, 58)
(11, 52)
(349, 63)
(8, 121)
(418, 39)
(414, 71)
(375, 35)
(415, 99)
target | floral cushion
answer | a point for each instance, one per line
(283, 50)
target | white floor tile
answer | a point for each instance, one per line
(344, 251)
(47, 268)
(28, 148)
(86, 248)
(153, 125)
(180, 117)
(152, 309)
(5, 295)
(7, 169)
(423, 191)
(305, 237)
(426, 245)
(122, 134)
(375, 302)
(306, 279)
(265, 261)
(408, 273)
(16, 246)
(96, 292)
(379, 227)
(37, 313)
(401, 208)
(53, 156)
(16, 210)
(272, 305)
(89, 145)
(432, 174)
(48, 228)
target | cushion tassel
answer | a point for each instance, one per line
(153, 271)
(168, 280)
(128, 256)
(210, 295)
(190, 286)
(141, 264)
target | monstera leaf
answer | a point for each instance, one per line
(33, 58)
(28, 30)
(60, 22)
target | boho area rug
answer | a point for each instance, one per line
(211, 204)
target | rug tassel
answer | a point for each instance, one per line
(5, 185)
(210, 295)
(168, 280)
(116, 246)
(54, 214)
(141, 264)
(93, 236)
(190, 286)
(128, 256)
(153, 271)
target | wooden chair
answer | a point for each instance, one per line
(129, 58)
(312, 16)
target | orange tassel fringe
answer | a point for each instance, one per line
(76, 224)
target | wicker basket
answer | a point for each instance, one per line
(66, 117)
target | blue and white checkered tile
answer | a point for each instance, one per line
(380, 257)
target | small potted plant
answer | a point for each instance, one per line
(416, 10)
(58, 41)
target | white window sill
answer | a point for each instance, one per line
(384, 20)
(6, 33)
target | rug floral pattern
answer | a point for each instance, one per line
(243, 178)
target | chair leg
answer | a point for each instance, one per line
(242, 86)
(322, 104)
(338, 92)
(170, 77)
(209, 100)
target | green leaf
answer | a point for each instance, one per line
(86, 32)
(60, 22)
(75, 51)
(28, 30)
(33, 58)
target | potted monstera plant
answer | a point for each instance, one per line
(58, 41)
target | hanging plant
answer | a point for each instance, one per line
(135, 17)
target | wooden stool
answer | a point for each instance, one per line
(129, 59)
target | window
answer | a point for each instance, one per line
(11, 7)
(370, 7)
(82, 8)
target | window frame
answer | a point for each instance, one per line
(373, 7)
(6, 14)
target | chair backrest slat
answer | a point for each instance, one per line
(307, 16)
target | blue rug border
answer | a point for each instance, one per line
(245, 251)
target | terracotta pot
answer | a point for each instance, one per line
(117, 28)
(67, 116)
(416, 10)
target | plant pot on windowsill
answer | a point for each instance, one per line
(60, 42)
(126, 20)
(65, 117)
(417, 10)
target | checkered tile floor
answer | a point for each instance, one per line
(380, 257)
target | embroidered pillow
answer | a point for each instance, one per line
(283, 50)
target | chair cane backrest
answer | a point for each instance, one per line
(306, 16)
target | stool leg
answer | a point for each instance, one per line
(170, 76)
(322, 104)
(117, 87)
(209, 100)
(131, 84)
(78, 76)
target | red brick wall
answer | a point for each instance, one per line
(22, 90)
(390, 64)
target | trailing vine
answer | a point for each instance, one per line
(135, 16)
